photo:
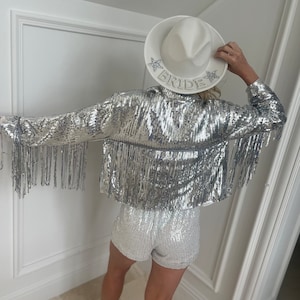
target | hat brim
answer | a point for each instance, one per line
(205, 80)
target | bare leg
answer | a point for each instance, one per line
(118, 265)
(162, 282)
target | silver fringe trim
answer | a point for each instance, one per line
(180, 180)
(246, 153)
(51, 164)
(66, 166)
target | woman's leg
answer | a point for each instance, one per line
(113, 282)
(162, 282)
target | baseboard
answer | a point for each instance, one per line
(60, 283)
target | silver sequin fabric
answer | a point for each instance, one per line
(162, 150)
(171, 238)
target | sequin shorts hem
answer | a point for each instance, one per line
(171, 238)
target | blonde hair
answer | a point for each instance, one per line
(212, 93)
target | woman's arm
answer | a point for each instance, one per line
(237, 62)
(95, 122)
(265, 111)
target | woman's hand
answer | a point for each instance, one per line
(237, 62)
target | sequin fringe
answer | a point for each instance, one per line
(31, 163)
(66, 165)
(246, 154)
(211, 180)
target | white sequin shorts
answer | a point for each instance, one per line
(170, 237)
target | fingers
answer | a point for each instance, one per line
(237, 62)
(233, 55)
(230, 48)
(228, 52)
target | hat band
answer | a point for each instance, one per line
(164, 77)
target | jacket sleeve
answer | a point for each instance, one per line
(92, 123)
(263, 114)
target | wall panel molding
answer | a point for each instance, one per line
(277, 199)
(281, 42)
(214, 280)
(281, 178)
(287, 256)
(19, 22)
(52, 286)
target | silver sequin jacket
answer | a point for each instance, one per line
(161, 150)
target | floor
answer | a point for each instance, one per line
(290, 289)
(134, 288)
(88, 291)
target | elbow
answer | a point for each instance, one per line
(278, 122)
(281, 118)
(278, 117)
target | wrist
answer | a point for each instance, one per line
(249, 76)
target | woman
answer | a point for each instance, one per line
(166, 149)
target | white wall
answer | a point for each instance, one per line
(57, 56)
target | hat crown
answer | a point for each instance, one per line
(186, 50)
(179, 54)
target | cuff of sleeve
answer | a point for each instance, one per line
(254, 87)
(257, 90)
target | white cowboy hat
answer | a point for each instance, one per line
(179, 54)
